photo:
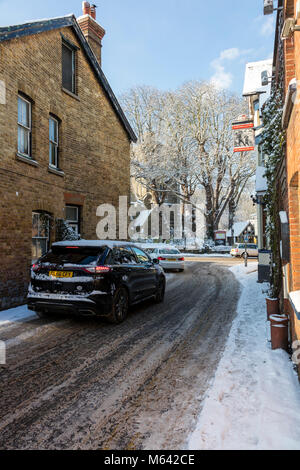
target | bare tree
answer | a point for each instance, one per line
(144, 108)
(241, 170)
(209, 114)
(185, 142)
(178, 148)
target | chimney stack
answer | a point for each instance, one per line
(92, 30)
(86, 8)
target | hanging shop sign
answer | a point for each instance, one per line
(244, 139)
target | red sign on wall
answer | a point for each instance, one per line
(244, 139)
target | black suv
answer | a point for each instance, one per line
(94, 277)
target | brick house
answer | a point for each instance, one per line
(64, 140)
(286, 74)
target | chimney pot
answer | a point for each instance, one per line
(93, 11)
(86, 8)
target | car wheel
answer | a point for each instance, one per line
(160, 294)
(120, 306)
(42, 314)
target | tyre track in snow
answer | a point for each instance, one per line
(80, 383)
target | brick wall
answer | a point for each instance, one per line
(292, 70)
(94, 151)
(289, 46)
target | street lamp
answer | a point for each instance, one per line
(269, 7)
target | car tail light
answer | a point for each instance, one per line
(35, 267)
(160, 258)
(180, 259)
(98, 269)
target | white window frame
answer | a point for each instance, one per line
(47, 237)
(28, 129)
(55, 144)
(74, 223)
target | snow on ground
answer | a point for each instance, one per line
(254, 401)
(15, 314)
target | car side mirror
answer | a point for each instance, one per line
(155, 261)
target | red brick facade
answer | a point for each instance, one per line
(290, 202)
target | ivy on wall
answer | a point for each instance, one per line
(273, 145)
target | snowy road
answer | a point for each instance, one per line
(78, 383)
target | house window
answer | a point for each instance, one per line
(40, 234)
(53, 142)
(73, 218)
(24, 127)
(68, 68)
(256, 113)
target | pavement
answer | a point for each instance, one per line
(80, 383)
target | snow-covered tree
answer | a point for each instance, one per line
(64, 232)
(149, 165)
(222, 173)
(185, 143)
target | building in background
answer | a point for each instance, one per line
(64, 139)
(257, 93)
(286, 76)
(240, 230)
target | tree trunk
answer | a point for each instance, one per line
(209, 213)
(231, 213)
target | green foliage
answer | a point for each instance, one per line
(272, 145)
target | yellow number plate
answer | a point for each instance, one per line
(171, 259)
(60, 274)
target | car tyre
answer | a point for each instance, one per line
(42, 314)
(120, 306)
(160, 294)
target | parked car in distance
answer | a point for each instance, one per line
(101, 278)
(239, 250)
(169, 258)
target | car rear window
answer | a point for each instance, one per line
(169, 252)
(82, 256)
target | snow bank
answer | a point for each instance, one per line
(218, 248)
(15, 314)
(254, 402)
(206, 255)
